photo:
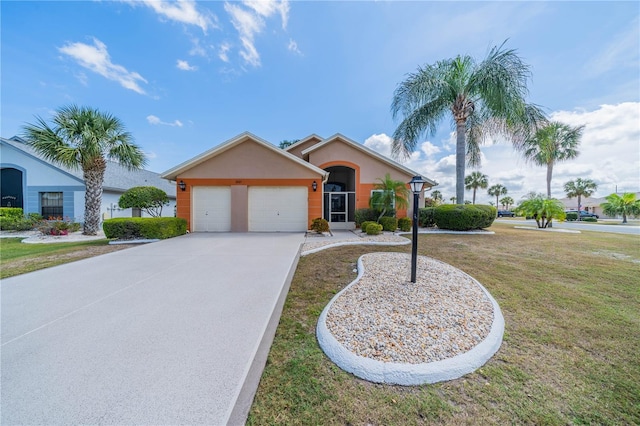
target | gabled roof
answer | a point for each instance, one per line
(367, 151)
(116, 176)
(225, 146)
(304, 140)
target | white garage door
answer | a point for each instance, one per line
(211, 208)
(278, 209)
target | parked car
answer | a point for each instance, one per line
(506, 213)
(583, 214)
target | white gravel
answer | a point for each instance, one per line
(387, 318)
(313, 244)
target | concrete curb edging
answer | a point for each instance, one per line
(410, 374)
(563, 230)
(355, 243)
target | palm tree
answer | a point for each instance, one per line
(580, 188)
(85, 138)
(485, 99)
(506, 202)
(452, 199)
(497, 190)
(474, 181)
(542, 209)
(551, 144)
(388, 195)
(627, 205)
(437, 196)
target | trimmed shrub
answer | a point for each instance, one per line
(370, 215)
(571, 216)
(389, 224)
(589, 219)
(457, 217)
(319, 225)
(374, 229)
(491, 214)
(426, 217)
(126, 228)
(404, 223)
(11, 212)
(364, 225)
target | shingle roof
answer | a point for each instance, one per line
(116, 177)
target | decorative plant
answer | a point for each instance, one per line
(389, 192)
(542, 209)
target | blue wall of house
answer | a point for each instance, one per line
(32, 201)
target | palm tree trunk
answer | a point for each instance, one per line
(461, 127)
(474, 195)
(93, 179)
(549, 173)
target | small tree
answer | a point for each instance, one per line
(437, 197)
(389, 194)
(627, 205)
(146, 198)
(285, 143)
(542, 209)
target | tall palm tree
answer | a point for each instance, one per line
(484, 98)
(626, 205)
(551, 144)
(437, 196)
(497, 190)
(474, 181)
(580, 188)
(85, 138)
(389, 194)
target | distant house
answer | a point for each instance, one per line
(590, 204)
(38, 186)
(248, 184)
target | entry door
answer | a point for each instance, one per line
(339, 209)
(338, 206)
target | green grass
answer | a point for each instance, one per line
(19, 258)
(571, 304)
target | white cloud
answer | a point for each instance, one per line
(152, 119)
(222, 52)
(184, 65)
(96, 58)
(183, 11)
(249, 22)
(197, 49)
(293, 47)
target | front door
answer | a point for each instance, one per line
(339, 208)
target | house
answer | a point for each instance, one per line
(589, 204)
(38, 186)
(248, 184)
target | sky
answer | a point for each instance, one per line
(186, 76)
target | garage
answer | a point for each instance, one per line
(278, 209)
(211, 209)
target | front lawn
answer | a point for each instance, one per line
(19, 258)
(571, 304)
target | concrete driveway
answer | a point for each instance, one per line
(174, 332)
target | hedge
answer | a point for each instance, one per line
(126, 228)
(11, 212)
(426, 217)
(370, 215)
(571, 216)
(404, 223)
(465, 217)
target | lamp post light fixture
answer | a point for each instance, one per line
(314, 186)
(182, 185)
(416, 187)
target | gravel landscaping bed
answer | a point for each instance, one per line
(387, 318)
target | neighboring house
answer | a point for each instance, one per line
(38, 186)
(248, 184)
(590, 204)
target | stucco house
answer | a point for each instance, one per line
(38, 186)
(248, 184)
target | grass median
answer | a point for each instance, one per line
(572, 310)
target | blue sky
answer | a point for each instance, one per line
(186, 76)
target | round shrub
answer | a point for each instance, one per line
(404, 223)
(491, 214)
(571, 216)
(374, 229)
(426, 217)
(319, 225)
(389, 224)
(365, 224)
(456, 217)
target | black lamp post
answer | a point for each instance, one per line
(416, 187)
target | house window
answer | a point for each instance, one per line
(381, 192)
(51, 204)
